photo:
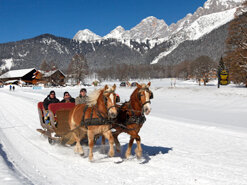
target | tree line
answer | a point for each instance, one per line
(78, 69)
(198, 68)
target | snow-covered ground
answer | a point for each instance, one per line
(193, 135)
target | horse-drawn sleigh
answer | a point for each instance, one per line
(100, 116)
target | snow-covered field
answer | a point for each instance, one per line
(193, 135)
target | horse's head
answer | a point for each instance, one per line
(144, 96)
(110, 97)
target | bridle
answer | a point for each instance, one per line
(105, 100)
(150, 97)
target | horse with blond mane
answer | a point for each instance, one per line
(131, 117)
(92, 119)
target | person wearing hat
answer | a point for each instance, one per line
(82, 98)
(67, 98)
(51, 98)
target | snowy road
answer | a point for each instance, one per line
(194, 135)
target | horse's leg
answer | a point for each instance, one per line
(138, 149)
(128, 151)
(103, 140)
(90, 136)
(103, 144)
(110, 138)
(78, 148)
(115, 136)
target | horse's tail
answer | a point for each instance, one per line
(68, 139)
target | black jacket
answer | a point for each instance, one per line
(71, 100)
(49, 100)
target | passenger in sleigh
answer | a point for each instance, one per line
(51, 98)
(82, 98)
(67, 98)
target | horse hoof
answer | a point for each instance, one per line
(139, 157)
(138, 154)
(75, 151)
(90, 159)
(111, 154)
(127, 156)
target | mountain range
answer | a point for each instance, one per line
(151, 41)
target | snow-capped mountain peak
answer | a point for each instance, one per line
(116, 33)
(86, 35)
(212, 15)
(223, 4)
(148, 28)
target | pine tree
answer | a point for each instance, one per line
(53, 66)
(44, 66)
(236, 55)
(222, 67)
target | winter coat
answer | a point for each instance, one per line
(49, 100)
(81, 100)
(71, 100)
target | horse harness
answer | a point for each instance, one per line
(133, 118)
(101, 120)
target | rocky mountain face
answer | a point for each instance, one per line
(212, 45)
(148, 29)
(31, 52)
(151, 41)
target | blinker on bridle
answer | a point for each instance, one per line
(150, 97)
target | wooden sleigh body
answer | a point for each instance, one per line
(58, 129)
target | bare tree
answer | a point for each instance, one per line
(201, 67)
(78, 68)
(183, 70)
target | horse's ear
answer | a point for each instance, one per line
(114, 87)
(106, 87)
(138, 85)
(149, 83)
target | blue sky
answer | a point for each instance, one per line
(22, 19)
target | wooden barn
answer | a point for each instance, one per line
(14, 76)
(54, 77)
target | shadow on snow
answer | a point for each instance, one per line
(147, 151)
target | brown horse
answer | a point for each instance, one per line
(93, 119)
(131, 117)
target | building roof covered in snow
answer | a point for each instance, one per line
(50, 73)
(16, 73)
